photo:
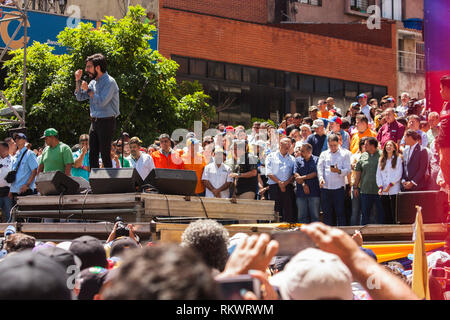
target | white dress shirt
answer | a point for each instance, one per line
(6, 167)
(217, 176)
(144, 165)
(366, 111)
(341, 160)
(390, 175)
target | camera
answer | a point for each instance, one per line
(122, 229)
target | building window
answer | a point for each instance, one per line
(294, 81)
(279, 77)
(351, 89)
(379, 92)
(391, 9)
(267, 77)
(250, 75)
(311, 2)
(184, 64)
(216, 70)
(321, 85)
(197, 67)
(336, 88)
(233, 72)
(420, 57)
(367, 89)
(361, 5)
(306, 84)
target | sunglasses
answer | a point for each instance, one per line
(85, 140)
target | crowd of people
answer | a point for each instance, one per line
(348, 167)
(208, 264)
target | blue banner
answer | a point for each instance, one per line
(44, 28)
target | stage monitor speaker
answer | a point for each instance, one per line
(55, 183)
(172, 181)
(434, 206)
(109, 180)
(84, 185)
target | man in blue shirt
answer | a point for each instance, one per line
(103, 95)
(279, 169)
(308, 190)
(317, 139)
(27, 170)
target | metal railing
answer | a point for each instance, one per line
(52, 6)
(411, 62)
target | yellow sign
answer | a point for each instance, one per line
(15, 44)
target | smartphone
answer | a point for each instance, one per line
(332, 166)
(292, 242)
(231, 287)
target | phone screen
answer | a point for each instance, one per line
(231, 287)
(292, 242)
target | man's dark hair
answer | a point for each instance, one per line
(362, 118)
(4, 144)
(8, 139)
(307, 146)
(19, 242)
(362, 142)
(413, 134)
(333, 137)
(402, 121)
(297, 116)
(163, 272)
(445, 81)
(372, 141)
(308, 121)
(98, 60)
(210, 240)
(345, 124)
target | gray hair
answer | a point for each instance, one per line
(210, 239)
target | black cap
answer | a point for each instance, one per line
(64, 257)
(90, 250)
(30, 276)
(121, 244)
(89, 282)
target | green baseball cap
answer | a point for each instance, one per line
(49, 133)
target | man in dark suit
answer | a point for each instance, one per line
(415, 163)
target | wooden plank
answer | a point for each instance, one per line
(177, 206)
(70, 231)
(170, 232)
(80, 199)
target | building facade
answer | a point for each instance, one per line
(253, 67)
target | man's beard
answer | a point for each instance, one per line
(93, 75)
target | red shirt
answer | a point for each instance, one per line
(390, 131)
(173, 161)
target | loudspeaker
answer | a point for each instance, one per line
(172, 181)
(434, 206)
(84, 185)
(109, 180)
(55, 183)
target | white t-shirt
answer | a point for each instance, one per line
(217, 176)
(144, 165)
(6, 167)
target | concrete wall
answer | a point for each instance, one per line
(98, 9)
(413, 83)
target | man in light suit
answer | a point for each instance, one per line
(415, 163)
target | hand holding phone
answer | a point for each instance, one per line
(231, 287)
(292, 242)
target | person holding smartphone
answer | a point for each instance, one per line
(332, 168)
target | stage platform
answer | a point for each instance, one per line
(141, 207)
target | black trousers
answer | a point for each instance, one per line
(100, 138)
(284, 202)
(388, 203)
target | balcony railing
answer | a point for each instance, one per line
(52, 6)
(411, 62)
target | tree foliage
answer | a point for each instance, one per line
(151, 101)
